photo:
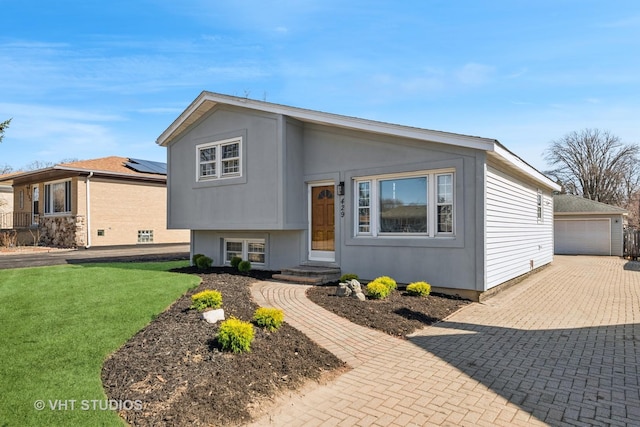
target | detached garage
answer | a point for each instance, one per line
(587, 227)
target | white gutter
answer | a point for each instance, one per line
(88, 181)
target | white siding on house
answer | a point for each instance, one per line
(515, 240)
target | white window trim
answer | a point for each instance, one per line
(51, 202)
(540, 206)
(374, 204)
(245, 249)
(218, 160)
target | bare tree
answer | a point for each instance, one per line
(38, 164)
(596, 165)
(3, 126)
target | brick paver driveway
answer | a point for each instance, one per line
(560, 348)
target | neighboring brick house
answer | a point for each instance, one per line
(6, 203)
(101, 202)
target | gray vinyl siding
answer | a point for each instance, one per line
(253, 201)
(515, 241)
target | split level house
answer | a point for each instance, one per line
(284, 186)
(100, 202)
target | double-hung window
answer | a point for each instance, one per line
(252, 250)
(539, 206)
(220, 159)
(416, 204)
(57, 198)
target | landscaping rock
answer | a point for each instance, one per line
(352, 288)
(356, 289)
(212, 316)
(343, 290)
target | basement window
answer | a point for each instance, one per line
(145, 236)
(252, 250)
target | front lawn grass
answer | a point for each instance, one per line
(58, 326)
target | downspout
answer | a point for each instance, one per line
(88, 181)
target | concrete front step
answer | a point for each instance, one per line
(309, 274)
(298, 279)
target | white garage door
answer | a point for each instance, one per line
(582, 237)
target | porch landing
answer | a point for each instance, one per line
(309, 274)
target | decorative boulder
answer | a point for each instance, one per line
(352, 288)
(356, 290)
(343, 290)
(355, 286)
(212, 316)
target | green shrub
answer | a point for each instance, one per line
(195, 259)
(204, 262)
(388, 282)
(421, 289)
(235, 335)
(377, 290)
(348, 276)
(206, 299)
(244, 266)
(268, 318)
(235, 261)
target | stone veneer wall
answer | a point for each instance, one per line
(63, 231)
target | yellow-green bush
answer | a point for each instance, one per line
(235, 335)
(421, 289)
(388, 282)
(269, 318)
(206, 299)
(377, 290)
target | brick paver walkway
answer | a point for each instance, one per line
(560, 348)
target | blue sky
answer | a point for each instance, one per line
(87, 79)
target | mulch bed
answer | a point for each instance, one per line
(399, 314)
(175, 368)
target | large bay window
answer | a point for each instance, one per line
(57, 198)
(252, 250)
(420, 204)
(220, 159)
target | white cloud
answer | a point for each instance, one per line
(474, 74)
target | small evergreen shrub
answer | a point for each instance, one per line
(244, 266)
(377, 290)
(235, 261)
(421, 289)
(206, 299)
(204, 262)
(348, 276)
(388, 282)
(195, 259)
(268, 318)
(235, 335)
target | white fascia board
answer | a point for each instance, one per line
(330, 119)
(625, 213)
(523, 167)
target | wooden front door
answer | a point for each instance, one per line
(322, 222)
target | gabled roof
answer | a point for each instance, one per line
(568, 204)
(113, 166)
(207, 101)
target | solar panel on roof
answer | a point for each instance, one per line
(147, 166)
